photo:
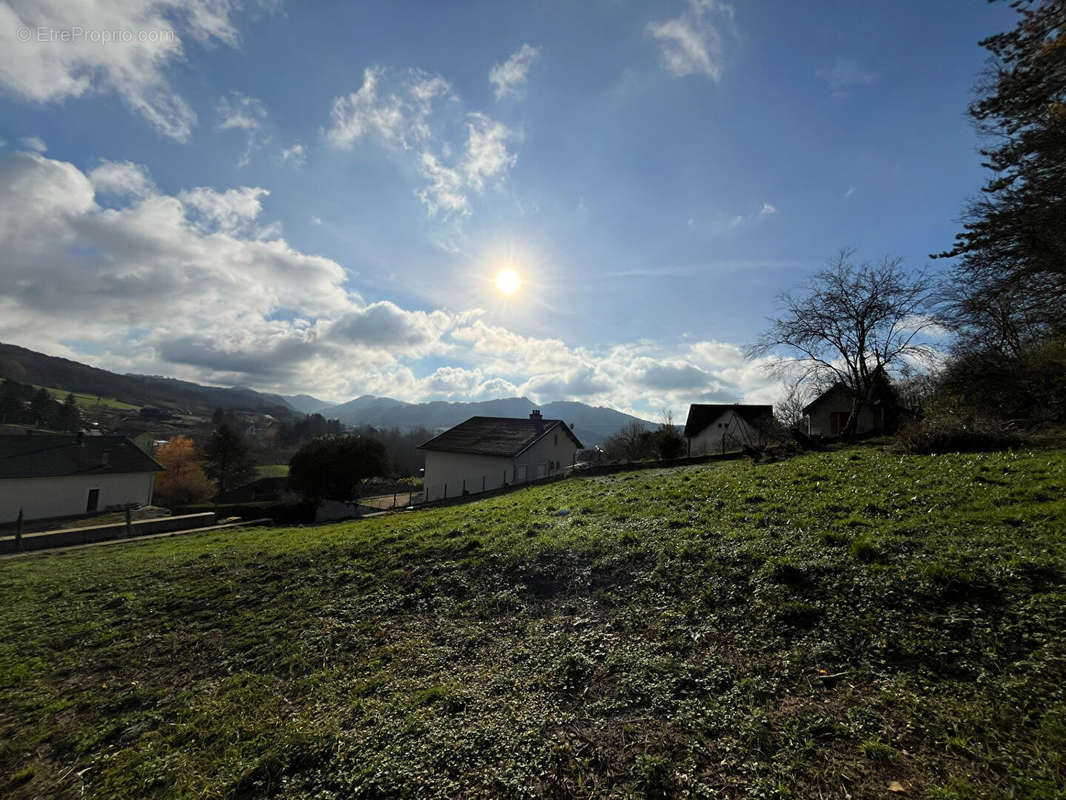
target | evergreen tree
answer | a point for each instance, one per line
(69, 417)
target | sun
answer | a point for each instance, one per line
(508, 281)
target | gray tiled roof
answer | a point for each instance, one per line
(700, 415)
(495, 436)
(48, 456)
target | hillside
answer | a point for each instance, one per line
(28, 366)
(848, 624)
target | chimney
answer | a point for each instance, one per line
(537, 420)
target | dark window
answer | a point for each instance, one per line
(557, 438)
(93, 502)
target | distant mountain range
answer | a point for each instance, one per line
(591, 424)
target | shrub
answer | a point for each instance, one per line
(951, 428)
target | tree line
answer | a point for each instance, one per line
(22, 404)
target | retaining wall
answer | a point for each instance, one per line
(103, 533)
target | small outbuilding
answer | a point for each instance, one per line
(485, 453)
(721, 428)
(828, 414)
(63, 476)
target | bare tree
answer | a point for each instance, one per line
(789, 409)
(853, 321)
(632, 442)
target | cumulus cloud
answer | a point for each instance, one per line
(34, 143)
(767, 209)
(228, 211)
(122, 179)
(386, 325)
(408, 112)
(45, 71)
(670, 374)
(690, 44)
(509, 78)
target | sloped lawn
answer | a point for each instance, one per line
(855, 624)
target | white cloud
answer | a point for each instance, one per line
(34, 143)
(122, 179)
(849, 192)
(401, 111)
(240, 112)
(509, 78)
(486, 150)
(296, 155)
(767, 209)
(845, 74)
(445, 192)
(228, 211)
(45, 70)
(398, 118)
(690, 44)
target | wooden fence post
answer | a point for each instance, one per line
(18, 532)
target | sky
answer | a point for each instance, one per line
(319, 196)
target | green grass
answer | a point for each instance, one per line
(272, 471)
(823, 627)
(90, 401)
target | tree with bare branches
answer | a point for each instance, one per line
(852, 323)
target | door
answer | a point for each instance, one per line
(838, 420)
(93, 502)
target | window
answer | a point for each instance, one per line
(93, 501)
(556, 439)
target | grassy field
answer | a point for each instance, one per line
(272, 471)
(91, 401)
(853, 624)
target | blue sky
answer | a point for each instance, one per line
(317, 197)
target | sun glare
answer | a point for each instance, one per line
(508, 281)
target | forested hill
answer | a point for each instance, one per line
(28, 366)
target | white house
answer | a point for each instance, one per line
(60, 476)
(828, 414)
(486, 453)
(720, 428)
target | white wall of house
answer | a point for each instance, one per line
(550, 455)
(820, 419)
(41, 498)
(448, 473)
(728, 432)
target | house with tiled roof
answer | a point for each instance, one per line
(721, 428)
(485, 453)
(49, 475)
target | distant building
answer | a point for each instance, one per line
(486, 453)
(828, 414)
(721, 428)
(61, 476)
